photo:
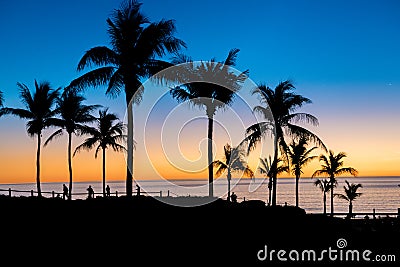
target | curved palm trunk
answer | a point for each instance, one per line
(332, 182)
(39, 190)
(297, 190)
(324, 203)
(70, 165)
(129, 171)
(229, 176)
(210, 157)
(104, 172)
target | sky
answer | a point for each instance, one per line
(343, 55)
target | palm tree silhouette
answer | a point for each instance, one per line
(234, 161)
(325, 186)
(350, 194)
(39, 113)
(109, 132)
(135, 45)
(278, 109)
(270, 169)
(209, 85)
(299, 157)
(73, 117)
(332, 166)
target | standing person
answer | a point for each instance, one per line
(234, 197)
(108, 191)
(65, 191)
(90, 192)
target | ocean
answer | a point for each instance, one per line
(379, 193)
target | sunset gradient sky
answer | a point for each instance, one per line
(343, 55)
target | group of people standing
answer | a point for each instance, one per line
(89, 190)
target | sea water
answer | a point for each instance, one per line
(379, 193)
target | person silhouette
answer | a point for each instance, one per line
(234, 197)
(65, 191)
(108, 191)
(90, 192)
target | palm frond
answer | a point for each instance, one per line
(1, 99)
(94, 78)
(349, 170)
(98, 56)
(342, 196)
(54, 135)
(321, 172)
(21, 113)
(115, 84)
(298, 131)
(86, 145)
(231, 58)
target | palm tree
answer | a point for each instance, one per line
(350, 194)
(73, 117)
(266, 168)
(234, 161)
(325, 186)
(211, 86)
(135, 44)
(278, 106)
(299, 157)
(332, 166)
(39, 113)
(109, 132)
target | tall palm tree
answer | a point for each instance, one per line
(299, 157)
(266, 168)
(73, 117)
(39, 113)
(109, 132)
(332, 166)
(209, 85)
(278, 109)
(350, 194)
(135, 44)
(234, 161)
(325, 186)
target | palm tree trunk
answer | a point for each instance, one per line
(38, 165)
(297, 190)
(129, 171)
(210, 156)
(229, 184)
(104, 172)
(324, 203)
(274, 172)
(270, 196)
(70, 165)
(350, 209)
(332, 195)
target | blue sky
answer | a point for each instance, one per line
(343, 55)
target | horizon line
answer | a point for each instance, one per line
(206, 179)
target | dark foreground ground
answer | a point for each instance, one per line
(144, 231)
